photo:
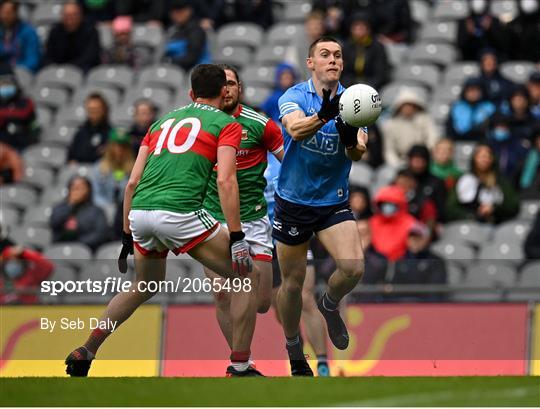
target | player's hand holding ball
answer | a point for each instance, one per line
(330, 107)
(348, 135)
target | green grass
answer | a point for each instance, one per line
(375, 391)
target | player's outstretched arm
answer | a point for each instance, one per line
(300, 126)
(134, 178)
(228, 186)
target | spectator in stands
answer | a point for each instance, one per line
(360, 202)
(186, 44)
(11, 165)
(533, 86)
(123, 51)
(442, 165)
(480, 30)
(429, 187)
(364, 57)
(110, 174)
(19, 42)
(18, 124)
(286, 77)
(259, 12)
(210, 13)
(145, 115)
(97, 11)
(483, 194)
(419, 205)
(469, 115)
(90, 139)
(21, 273)
(530, 175)
(77, 218)
(391, 19)
(524, 31)
(143, 11)
(73, 40)
(409, 125)
(497, 87)
(507, 146)
(519, 113)
(532, 242)
(419, 265)
(391, 223)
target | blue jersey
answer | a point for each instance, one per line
(314, 171)
(271, 174)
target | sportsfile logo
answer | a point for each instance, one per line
(357, 106)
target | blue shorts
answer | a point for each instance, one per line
(295, 223)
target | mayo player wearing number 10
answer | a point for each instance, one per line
(163, 203)
(312, 196)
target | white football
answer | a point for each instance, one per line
(360, 105)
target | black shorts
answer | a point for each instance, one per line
(295, 224)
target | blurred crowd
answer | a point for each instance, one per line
(397, 223)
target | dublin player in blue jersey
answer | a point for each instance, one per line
(312, 196)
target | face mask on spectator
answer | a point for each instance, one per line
(529, 6)
(501, 134)
(388, 209)
(7, 91)
(478, 6)
(13, 269)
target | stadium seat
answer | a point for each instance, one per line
(517, 71)
(507, 252)
(61, 135)
(258, 76)
(385, 174)
(495, 276)
(511, 232)
(424, 74)
(111, 95)
(506, 10)
(53, 98)
(38, 216)
(439, 111)
(116, 76)
(451, 10)
(43, 33)
(100, 270)
(46, 13)
(442, 31)
(108, 251)
(296, 11)
(147, 35)
(45, 154)
(236, 56)
(530, 275)
(38, 177)
(454, 274)
(122, 116)
(361, 174)
(420, 10)
(31, 236)
(45, 117)
(164, 75)
(462, 154)
(71, 115)
(160, 96)
(430, 53)
(283, 33)
(255, 96)
(396, 53)
(458, 72)
(391, 90)
(64, 273)
(447, 93)
(75, 254)
(529, 209)
(24, 77)
(9, 215)
(60, 76)
(66, 173)
(18, 196)
(106, 37)
(454, 251)
(53, 195)
(466, 232)
(241, 34)
(270, 54)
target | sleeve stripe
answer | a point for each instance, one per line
(288, 105)
(278, 150)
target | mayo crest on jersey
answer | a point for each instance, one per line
(315, 171)
(182, 153)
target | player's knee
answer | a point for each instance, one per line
(292, 286)
(264, 305)
(354, 270)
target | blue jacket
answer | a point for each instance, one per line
(23, 48)
(467, 120)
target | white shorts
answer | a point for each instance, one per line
(158, 231)
(259, 237)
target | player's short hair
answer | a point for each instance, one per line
(323, 39)
(230, 68)
(207, 80)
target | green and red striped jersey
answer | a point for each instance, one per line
(182, 153)
(259, 136)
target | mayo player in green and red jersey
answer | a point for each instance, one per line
(260, 135)
(163, 205)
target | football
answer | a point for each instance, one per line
(360, 105)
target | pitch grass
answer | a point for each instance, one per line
(375, 391)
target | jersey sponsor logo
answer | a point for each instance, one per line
(323, 143)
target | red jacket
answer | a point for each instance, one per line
(389, 233)
(38, 269)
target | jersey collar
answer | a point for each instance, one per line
(311, 87)
(236, 114)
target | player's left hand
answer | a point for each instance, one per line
(127, 248)
(348, 135)
(241, 259)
